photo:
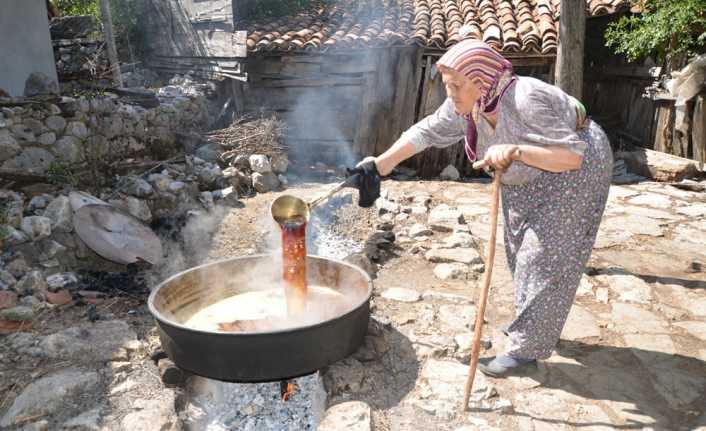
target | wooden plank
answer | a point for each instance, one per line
(698, 131)
(572, 31)
(421, 108)
(364, 143)
(360, 62)
(663, 128)
(681, 139)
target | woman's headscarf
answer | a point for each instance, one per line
(475, 59)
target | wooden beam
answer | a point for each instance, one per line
(698, 131)
(572, 33)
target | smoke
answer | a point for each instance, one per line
(320, 125)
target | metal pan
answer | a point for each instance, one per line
(258, 356)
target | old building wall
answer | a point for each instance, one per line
(25, 45)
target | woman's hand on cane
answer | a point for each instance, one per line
(500, 157)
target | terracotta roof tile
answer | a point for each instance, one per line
(529, 26)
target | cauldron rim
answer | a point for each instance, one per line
(164, 320)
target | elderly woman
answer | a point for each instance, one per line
(556, 165)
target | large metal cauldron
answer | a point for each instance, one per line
(258, 356)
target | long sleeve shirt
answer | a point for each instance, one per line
(531, 112)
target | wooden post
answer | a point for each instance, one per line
(698, 131)
(110, 42)
(569, 59)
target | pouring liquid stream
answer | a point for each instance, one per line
(294, 264)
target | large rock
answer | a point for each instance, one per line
(97, 342)
(47, 139)
(19, 313)
(401, 294)
(348, 416)
(32, 159)
(63, 280)
(459, 239)
(468, 256)
(50, 394)
(697, 329)
(139, 188)
(77, 129)
(59, 212)
(138, 208)
(345, 376)
(444, 218)
(279, 163)
(265, 182)
(156, 413)
(445, 380)
(636, 224)
(33, 282)
(419, 230)
(68, 149)
(9, 147)
(7, 280)
(450, 173)
(629, 288)
(456, 318)
(86, 421)
(36, 227)
(38, 83)
(208, 175)
(659, 166)
(654, 200)
(450, 271)
(692, 210)
(55, 123)
(260, 163)
(631, 319)
(241, 162)
(580, 324)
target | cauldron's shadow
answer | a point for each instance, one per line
(381, 373)
(646, 388)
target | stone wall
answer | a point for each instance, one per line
(36, 137)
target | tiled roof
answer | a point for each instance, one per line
(529, 26)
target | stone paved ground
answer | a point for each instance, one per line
(632, 356)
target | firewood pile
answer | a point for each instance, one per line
(250, 135)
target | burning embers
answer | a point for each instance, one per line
(294, 263)
(286, 389)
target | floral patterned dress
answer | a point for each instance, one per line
(551, 219)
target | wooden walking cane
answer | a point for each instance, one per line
(486, 284)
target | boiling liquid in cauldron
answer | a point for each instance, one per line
(266, 310)
(294, 263)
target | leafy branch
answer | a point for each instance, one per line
(664, 28)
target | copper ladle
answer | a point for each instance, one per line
(287, 207)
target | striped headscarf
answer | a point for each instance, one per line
(475, 59)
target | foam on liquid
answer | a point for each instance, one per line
(322, 303)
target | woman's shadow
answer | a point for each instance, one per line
(645, 388)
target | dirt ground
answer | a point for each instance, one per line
(633, 354)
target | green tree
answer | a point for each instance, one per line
(78, 7)
(665, 27)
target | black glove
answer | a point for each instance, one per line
(366, 179)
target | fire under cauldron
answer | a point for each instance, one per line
(291, 349)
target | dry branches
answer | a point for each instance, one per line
(249, 135)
